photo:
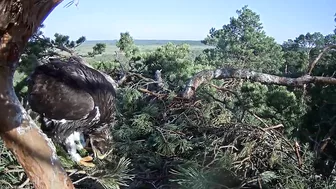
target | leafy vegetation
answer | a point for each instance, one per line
(233, 134)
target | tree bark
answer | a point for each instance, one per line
(208, 75)
(33, 150)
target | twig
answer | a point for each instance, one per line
(327, 138)
(13, 171)
(7, 183)
(142, 77)
(259, 183)
(163, 137)
(228, 146)
(24, 183)
(75, 171)
(175, 132)
(297, 149)
(262, 121)
(273, 127)
(80, 180)
(152, 93)
(325, 49)
(72, 2)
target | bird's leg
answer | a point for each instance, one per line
(72, 150)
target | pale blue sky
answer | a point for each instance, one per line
(186, 19)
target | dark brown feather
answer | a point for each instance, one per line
(73, 92)
(57, 100)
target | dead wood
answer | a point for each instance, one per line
(33, 150)
(319, 56)
(225, 73)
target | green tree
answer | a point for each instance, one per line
(298, 53)
(242, 43)
(174, 61)
(127, 46)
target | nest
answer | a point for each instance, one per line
(257, 153)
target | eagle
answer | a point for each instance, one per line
(76, 105)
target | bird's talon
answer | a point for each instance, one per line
(86, 164)
(86, 159)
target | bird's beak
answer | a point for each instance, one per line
(87, 147)
(100, 155)
(97, 153)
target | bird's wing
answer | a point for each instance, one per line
(76, 75)
(55, 99)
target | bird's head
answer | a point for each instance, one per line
(101, 142)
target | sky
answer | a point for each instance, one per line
(186, 19)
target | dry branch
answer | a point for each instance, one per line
(224, 73)
(324, 50)
(33, 150)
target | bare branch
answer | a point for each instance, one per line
(324, 50)
(208, 75)
(76, 2)
(66, 49)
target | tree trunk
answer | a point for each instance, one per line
(33, 150)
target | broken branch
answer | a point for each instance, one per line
(324, 50)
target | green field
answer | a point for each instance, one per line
(196, 47)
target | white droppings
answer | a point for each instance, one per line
(51, 145)
(19, 118)
(22, 130)
(52, 161)
(32, 124)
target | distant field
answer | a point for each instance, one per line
(149, 42)
(196, 47)
(144, 45)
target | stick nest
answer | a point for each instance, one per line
(258, 154)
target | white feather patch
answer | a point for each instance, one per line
(97, 117)
(70, 143)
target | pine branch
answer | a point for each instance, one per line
(224, 73)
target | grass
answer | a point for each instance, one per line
(196, 47)
(144, 45)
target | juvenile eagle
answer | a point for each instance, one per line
(74, 101)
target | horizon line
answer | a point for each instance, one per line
(147, 39)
